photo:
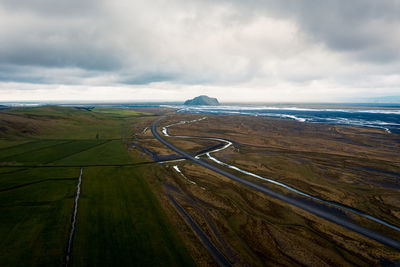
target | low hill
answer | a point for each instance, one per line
(64, 122)
(202, 100)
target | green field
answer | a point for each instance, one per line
(36, 206)
(119, 112)
(119, 221)
(112, 152)
(117, 202)
(55, 122)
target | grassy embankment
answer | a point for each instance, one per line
(119, 219)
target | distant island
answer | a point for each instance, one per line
(202, 100)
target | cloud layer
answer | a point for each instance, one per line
(267, 50)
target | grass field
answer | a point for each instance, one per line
(119, 112)
(54, 122)
(36, 207)
(112, 152)
(120, 221)
(117, 202)
(125, 217)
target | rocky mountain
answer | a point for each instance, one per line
(202, 100)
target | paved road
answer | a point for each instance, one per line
(319, 210)
(218, 256)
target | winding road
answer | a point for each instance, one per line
(319, 209)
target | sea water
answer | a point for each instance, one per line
(381, 117)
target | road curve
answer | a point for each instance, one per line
(320, 211)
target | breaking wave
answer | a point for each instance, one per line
(385, 119)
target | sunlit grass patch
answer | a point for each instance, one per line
(120, 112)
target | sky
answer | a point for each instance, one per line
(237, 51)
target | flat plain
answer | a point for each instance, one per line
(119, 218)
(135, 211)
(351, 166)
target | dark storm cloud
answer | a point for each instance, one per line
(57, 34)
(146, 78)
(70, 8)
(10, 74)
(62, 55)
(367, 28)
(45, 75)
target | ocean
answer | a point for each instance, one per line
(385, 118)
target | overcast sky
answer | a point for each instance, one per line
(253, 50)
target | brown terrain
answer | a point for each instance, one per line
(357, 167)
